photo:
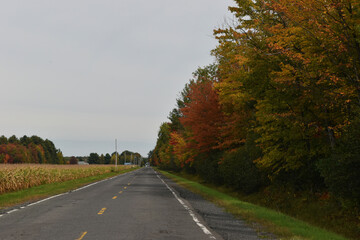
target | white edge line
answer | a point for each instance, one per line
(86, 186)
(43, 200)
(14, 210)
(196, 220)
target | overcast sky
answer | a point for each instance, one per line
(84, 72)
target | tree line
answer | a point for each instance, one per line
(280, 106)
(126, 157)
(32, 149)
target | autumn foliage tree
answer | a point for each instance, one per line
(203, 118)
(294, 64)
(73, 160)
(202, 115)
(28, 150)
(282, 100)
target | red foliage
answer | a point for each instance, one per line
(73, 160)
(17, 153)
(13, 153)
(203, 116)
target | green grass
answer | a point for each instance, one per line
(46, 190)
(283, 226)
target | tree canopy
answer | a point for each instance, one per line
(282, 101)
(28, 150)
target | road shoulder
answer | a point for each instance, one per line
(219, 221)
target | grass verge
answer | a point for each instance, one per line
(283, 226)
(46, 190)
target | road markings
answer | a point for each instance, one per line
(82, 236)
(101, 211)
(89, 185)
(46, 199)
(120, 192)
(78, 189)
(125, 187)
(114, 197)
(14, 210)
(129, 184)
(196, 220)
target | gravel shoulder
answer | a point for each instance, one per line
(217, 219)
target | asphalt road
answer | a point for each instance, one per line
(136, 205)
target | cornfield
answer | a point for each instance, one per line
(21, 176)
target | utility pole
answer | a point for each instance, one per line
(116, 154)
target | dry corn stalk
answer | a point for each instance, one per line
(21, 176)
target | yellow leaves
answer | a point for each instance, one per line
(241, 59)
(230, 91)
(303, 71)
(179, 148)
(286, 75)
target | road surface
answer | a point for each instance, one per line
(136, 205)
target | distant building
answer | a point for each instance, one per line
(82, 163)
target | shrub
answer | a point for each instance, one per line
(239, 171)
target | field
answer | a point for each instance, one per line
(16, 177)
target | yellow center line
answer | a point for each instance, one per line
(120, 192)
(102, 211)
(82, 236)
(129, 183)
(125, 187)
(114, 197)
